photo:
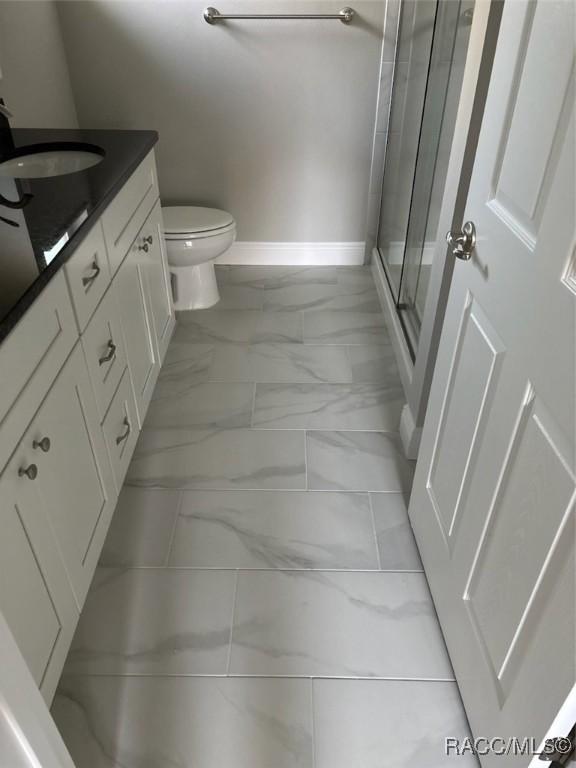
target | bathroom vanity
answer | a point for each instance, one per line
(86, 316)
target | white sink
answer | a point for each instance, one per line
(42, 161)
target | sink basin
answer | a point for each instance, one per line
(40, 161)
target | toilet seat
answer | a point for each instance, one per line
(187, 222)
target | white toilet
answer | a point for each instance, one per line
(194, 238)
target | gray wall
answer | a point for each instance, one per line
(35, 82)
(272, 121)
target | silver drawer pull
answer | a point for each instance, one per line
(44, 444)
(89, 279)
(149, 239)
(125, 434)
(109, 355)
(144, 247)
(31, 472)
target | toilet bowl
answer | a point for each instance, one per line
(194, 238)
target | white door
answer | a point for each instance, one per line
(494, 491)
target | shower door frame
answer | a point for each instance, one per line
(416, 372)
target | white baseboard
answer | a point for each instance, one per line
(294, 254)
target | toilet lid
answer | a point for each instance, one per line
(187, 219)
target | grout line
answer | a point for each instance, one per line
(173, 532)
(216, 489)
(229, 659)
(253, 405)
(312, 722)
(256, 569)
(306, 459)
(244, 676)
(375, 533)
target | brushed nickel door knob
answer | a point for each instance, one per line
(463, 242)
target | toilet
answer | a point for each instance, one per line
(194, 238)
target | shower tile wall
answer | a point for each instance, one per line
(260, 600)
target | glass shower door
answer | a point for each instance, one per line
(419, 147)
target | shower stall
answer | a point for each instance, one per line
(432, 41)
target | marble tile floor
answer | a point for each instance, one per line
(260, 601)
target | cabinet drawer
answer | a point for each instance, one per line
(31, 357)
(125, 215)
(103, 345)
(88, 275)
(121, 429)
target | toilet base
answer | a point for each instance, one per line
(194, 287)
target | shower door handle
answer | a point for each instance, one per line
(462, 242)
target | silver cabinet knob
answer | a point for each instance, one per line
(149, 239)
(107, 356)
(144, 247)
(31, 471)
(43, 444)
(124, 435)
(464, 242)
(89, 279)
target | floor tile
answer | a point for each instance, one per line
(270, 277)
(239, 296)
(328, 406)
(396, 543)
(270, 529)
(280, 363)
(373, 362)
(344, 298)
(205, 405)
(208, 325)
(219, 460)
(154, 621)
(141, 528)
(275, 327)
(344, 328)
(321, 623)
(357, 461)
(197, 356)
(387, 724)
(144, 722)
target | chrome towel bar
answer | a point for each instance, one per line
(213, 16)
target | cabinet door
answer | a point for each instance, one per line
(132, 296)
(158, 280)
(35, 594)
(74, 473)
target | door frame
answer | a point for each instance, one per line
(417, 376)
(24, 711)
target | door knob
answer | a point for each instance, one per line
(462, 242)
(31, 471)
(43, 444)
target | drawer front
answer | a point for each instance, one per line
(121, 429)
(104, 350)
(30, 358)
(88, 275)
(125, 215)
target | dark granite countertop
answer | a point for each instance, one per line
(61, 211)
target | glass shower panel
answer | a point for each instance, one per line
(413, 53)
(447, 61)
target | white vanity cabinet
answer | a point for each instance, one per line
(77, 375)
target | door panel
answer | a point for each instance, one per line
(495, 486)
(158, 281)
(41, 612)
(74, 474)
